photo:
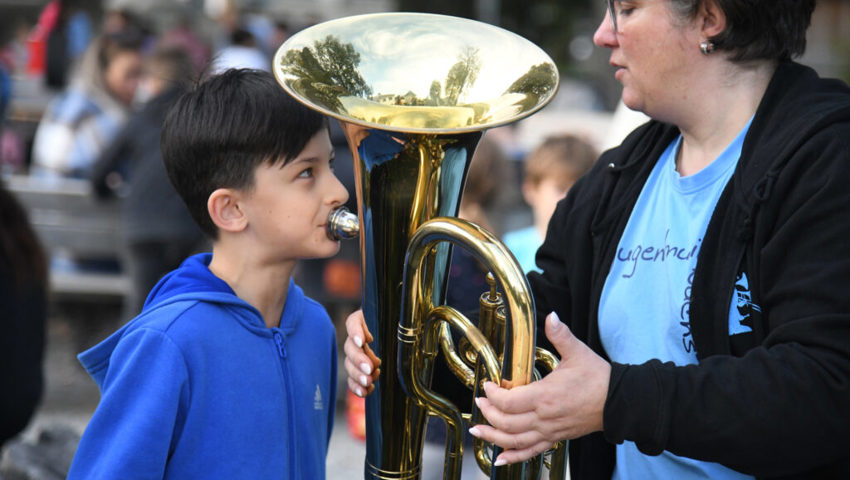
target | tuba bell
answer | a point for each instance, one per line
(414, 94)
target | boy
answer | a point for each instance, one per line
(550, 170)
(229, 371)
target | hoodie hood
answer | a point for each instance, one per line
(193, 276)
(188, 285)
(194, 280)
(197, 386)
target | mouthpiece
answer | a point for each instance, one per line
(342, 224)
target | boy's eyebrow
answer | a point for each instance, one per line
(313, 159)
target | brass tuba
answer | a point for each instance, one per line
(414, 93)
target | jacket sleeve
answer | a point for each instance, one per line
(112, 158)
(783, 407)
(137, 421)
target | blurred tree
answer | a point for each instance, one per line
(539, 80)
(326, 71)
(462, 75)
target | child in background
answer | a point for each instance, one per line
(550, 170)
(229, 371)
(157, 231)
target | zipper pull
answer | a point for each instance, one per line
(281, 348)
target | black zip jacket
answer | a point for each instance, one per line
(775, 402)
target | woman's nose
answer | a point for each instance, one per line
(606, 34)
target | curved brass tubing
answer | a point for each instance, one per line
(419, 341)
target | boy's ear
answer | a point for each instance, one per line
(225, 211)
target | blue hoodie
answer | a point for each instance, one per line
(197, 386)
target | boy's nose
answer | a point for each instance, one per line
(338, 192)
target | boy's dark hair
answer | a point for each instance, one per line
(216, 136)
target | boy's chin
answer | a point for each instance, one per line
(328, 251)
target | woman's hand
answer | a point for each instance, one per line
(361, 363)
(566, 404)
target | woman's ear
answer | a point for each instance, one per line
(225, 211)
(713, 19)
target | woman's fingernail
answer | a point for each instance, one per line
(478, 402)
(499, 462)
(475, 432)
(358, 341)
(359, 393)
(363, 380)
(553, 319)
(366, 368)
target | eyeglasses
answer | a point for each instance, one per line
(612, 11)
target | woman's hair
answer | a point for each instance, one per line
(758, 29)
(755, 29)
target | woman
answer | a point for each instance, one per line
(80, 122)
(701, 266)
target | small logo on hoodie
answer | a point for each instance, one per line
(317, 399)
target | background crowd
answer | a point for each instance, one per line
(105, 79)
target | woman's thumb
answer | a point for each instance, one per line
(558, 333)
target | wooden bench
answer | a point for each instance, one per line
(72, 224)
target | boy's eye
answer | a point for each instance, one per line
(306, 173)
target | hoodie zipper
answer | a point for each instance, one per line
(290, 392)
(281, 347)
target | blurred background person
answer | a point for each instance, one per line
(243, 52)
(66, 41)
(81, 121)
(549, 172)
(23, 303)
(157, 228)
(184, 34)
(6, 70)
(485, 193)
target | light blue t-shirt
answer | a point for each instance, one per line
(644, 309)
(523, 243)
